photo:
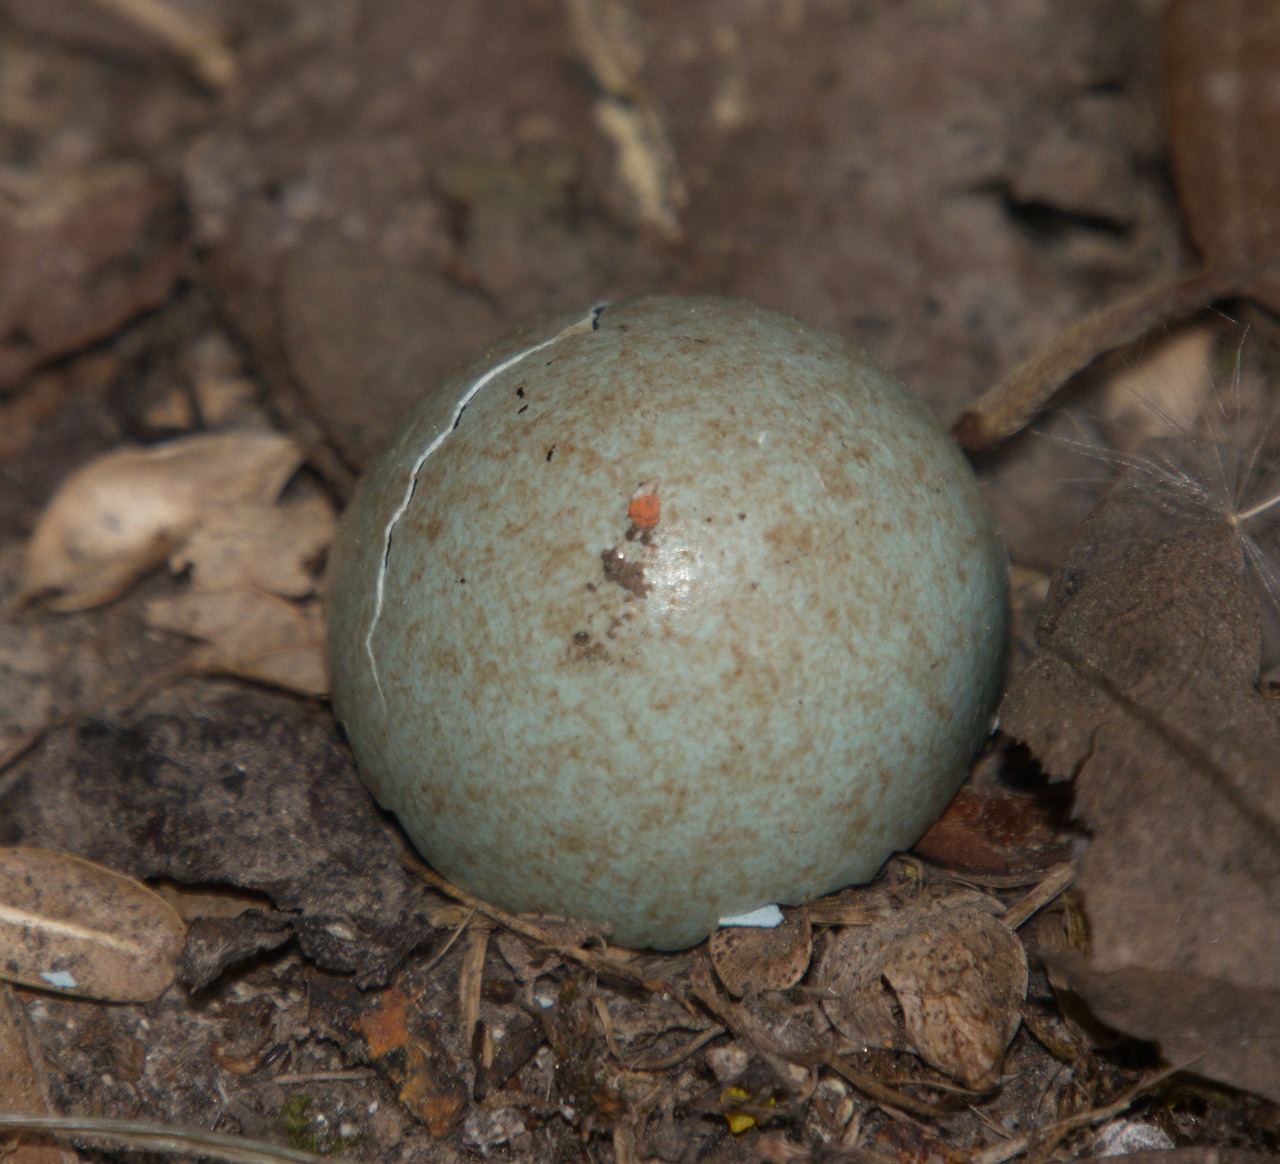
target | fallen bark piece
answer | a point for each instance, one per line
(75, 927)
(1145, 691)
(247, 789)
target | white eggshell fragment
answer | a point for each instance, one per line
(664, 613)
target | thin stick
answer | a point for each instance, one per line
(438, 956)
(601, 963)
(354, 1075)
(1057, 881)
(1009, 406)
(209, 58)
(999, 1153)
(885, 1097)
(160, 1138)
(679, 1056)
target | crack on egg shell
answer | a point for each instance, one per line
(589, 322)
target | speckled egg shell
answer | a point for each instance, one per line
(663, 613)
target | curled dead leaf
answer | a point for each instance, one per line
(947, 981)
(1144, 693)
(73, 926)
(961, 985)
(245, 561)
(249, 634)
(749, 959)
(125, 512)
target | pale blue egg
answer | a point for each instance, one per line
(663, 613)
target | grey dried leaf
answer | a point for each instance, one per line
(749, 959)
(70, 925)
(1144, 692)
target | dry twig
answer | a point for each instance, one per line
(201, 46)
(1008, 407)
(151, 1137)
(602, 963)
(1056, 882)
(999, 1153)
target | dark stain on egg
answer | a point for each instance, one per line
(624, 572)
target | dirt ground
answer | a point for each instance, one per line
(285, 217)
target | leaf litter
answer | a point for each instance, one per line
(71, 925)
(535, 1039)
(1145, 694)
(210, 505)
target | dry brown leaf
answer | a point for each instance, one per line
(749, 959)
(955, 974)
(990, 829)
(796, 1032)
(1221, 61)
(81, 257)
(209, 504)
(961, 985)
(73, 926)
(1011, 404)
(260, 545)
(126, 511)
(250, 634)
(1145, 691)
(23, 1087)
(394, 1030)
(244, 561)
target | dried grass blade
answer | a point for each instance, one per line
(604, 964)
(1008, 407)
(159, 1138)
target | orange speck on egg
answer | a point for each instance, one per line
(643, 510)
